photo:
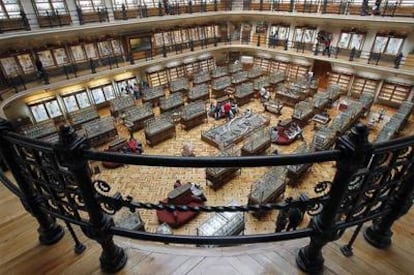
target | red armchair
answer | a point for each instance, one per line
(181, 195)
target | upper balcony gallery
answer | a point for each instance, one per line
(18, 15)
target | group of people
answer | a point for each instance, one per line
(227, 109)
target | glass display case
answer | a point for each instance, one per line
(159, 129)
(268, 188)
(193, 114)
(117, 105)
(222, 224)
(40, 130)
(79, 117)
(135, 117)
(78, 53)
(257, 143)
(99, 131)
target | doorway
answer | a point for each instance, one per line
(321, 71)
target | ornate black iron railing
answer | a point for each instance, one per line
(372, 182)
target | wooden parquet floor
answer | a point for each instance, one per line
(20, 252)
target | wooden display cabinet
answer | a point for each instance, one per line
(158, 130)
(257, 144)
(218, 176)
(268, 188)
(193, 115)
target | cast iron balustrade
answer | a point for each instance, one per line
(373, 182)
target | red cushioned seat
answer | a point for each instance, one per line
(177, 218)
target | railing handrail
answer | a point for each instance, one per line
(70, 190)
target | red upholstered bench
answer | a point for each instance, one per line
(181, 195)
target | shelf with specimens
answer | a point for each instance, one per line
(363, 85)
(393, 94)
(156, 76)
(341, 79)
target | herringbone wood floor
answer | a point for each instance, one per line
(20, 252)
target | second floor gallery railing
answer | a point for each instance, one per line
(372, 182)
(78, 15)
(20, 80)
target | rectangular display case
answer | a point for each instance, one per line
(135, 116)
(158, 130)
(255, 72)
(117, 105)
(173, 101)
(153, 95)
(303, 112)
(235, 130)
(295, 172)
(218, 176)
(244, 93)
(77, 118)
(222, 224)
(201, 77)
(193, 114)
(199, 92)
(268, 188)
(99, 131)
(257, 143)
(179, 85)
(220, 72)
(239, 78)
(40, 130)
(219, 86)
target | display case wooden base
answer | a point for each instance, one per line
(155, 137)
(224, 175)
(259, 148)
(189, 124)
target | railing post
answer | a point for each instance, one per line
(70, 147)
(352, 146)
(379, 233)
(49, 231)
